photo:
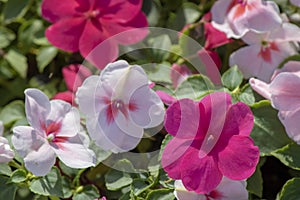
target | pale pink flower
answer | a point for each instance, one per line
(265, 51)
(118, 105)
(226, 190)
(179, 73)
(54, 131)
(295, 2)
(6, 153)
(283, 92)
(237, 17)
(211, 140)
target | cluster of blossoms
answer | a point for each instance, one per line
(269, 37)
(211, 153)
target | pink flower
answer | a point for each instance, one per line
(237, 17)
(295, 2)
(80, 25)
(74, 76)
(226, 190)
(211, 140)
(6, 153)
(283, 91)
(118, 105)
(214, 37)
(265, 51)
(54, 131)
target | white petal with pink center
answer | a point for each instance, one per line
(120, 106)
(54, 131)
(265, 51)
(237, 17)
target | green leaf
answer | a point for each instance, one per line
(161, 194)
(8, 190)
(290, 190)
(88, 192)
(115, 180)
(247, 95)
(118, 177)
(6, 37)
(18, 176)
(255, 182)
(45, 56)
(15, 9)
(268, 132)
(28, 32)
(160, 47)
(50, 185)
(232, 78)
(289, 155)
(5, 169)
(17, 61)
(12, 112)
(194, 87)
(152, 11)
(187, 13)
(138, 186)
(158, 72)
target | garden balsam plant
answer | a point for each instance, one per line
(99, 100)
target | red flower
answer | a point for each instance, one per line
(74, 76)
(81, 25)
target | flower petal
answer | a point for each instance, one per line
(58, 111)
(6, 153)
(182, 119)
(130, 32)
(117, 136)
(74, 154)
(148, 110)
(37, 108)
(70, 125)
(230, 189)
(89, 96)
(248, 60)
(213, 111)
(41, 161)
(65, 33)
(181, 193)
(74, 76)
(54, 10)
(25, 139)
(166, 98)
(290, 120)
(95, 42)
(173, 154)
(123, 11)
(260, 87)
(239, 159)
(201, 175)
(285, 91)
(66, 96)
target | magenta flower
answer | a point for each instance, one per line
(179, 73)
(54, 131)
(283, 92)
(226, 190)
(118, 105)
(237, 17)
(74, 76)
(211, 140)
(6, 153)
(80, 25)
(266, 51)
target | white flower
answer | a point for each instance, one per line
(54, 131)
(118, 105)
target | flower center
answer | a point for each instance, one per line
(92, 14)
